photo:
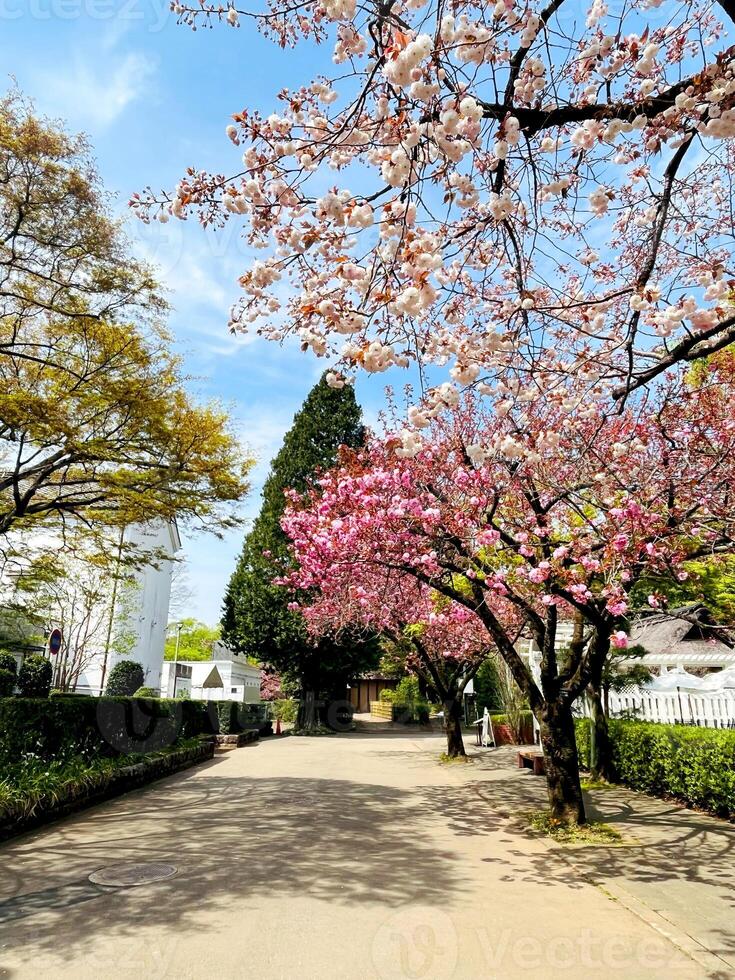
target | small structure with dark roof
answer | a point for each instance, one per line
(687, 636)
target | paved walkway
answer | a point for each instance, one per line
(360, 857)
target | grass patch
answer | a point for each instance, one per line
(542, 822)
(450, 760)
(589, 784)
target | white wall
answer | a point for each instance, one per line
(240, 681)
(142, 611)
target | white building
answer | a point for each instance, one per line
(226, 677)
(142, 613)
(128, 623)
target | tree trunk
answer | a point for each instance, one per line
(601, 767)
(453, 727)
(562, 766)
(307, 718)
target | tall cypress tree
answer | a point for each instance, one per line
(256, 619)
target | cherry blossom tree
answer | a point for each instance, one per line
(519, 514)
(270, 685)
(513, 190)
(445, 641)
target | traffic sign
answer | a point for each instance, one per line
(54, 642)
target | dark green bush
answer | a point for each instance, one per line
(79, 725)
(408, 705)
(125, 679)
(694, 765)
(233, 717)
(227, 721)
(8, 662)
(146, 692)
(34, 676)
(95, 727)
(7, 682)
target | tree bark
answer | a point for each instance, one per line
(453, 727)
(562, 765)
(307, 717)
(601, 767)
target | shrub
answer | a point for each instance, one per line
(284, 710)
(8, 662)
(227, 721)
(125, 679)
(694, 765)
(387, 694)
(95, 727)
(409, 706)
(233, 717)
(7, 682)
(520, 725)
(34, 676)
(146, 692)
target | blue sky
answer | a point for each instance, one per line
(155, 97)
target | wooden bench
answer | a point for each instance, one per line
(530, 759)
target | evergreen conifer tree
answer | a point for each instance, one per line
(256, 619)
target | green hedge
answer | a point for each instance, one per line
(7, 682)
(106, 727)
(125, 679)
(694, 765)
(34, 676)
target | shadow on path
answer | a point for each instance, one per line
(679, 862)
(233, 840)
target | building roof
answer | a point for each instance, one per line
(687, 634)
(375, 675)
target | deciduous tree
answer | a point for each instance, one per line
(501, 187)
(95, 418)
(445, 643)
(525, 517)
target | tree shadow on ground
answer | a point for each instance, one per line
(663, 843)
(233, 840)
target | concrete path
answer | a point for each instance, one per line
(360, 857)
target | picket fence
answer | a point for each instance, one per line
(708, 709)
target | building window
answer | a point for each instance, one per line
(233, 690)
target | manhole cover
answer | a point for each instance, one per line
(129, 875)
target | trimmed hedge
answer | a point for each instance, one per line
(34, 676)
(125, 679)
(7, 682)
(694, 765)
(107, 727)
(525, 735)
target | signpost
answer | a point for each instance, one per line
(54, 642)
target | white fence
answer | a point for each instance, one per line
(709, 709)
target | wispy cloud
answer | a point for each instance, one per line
(94, 94)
